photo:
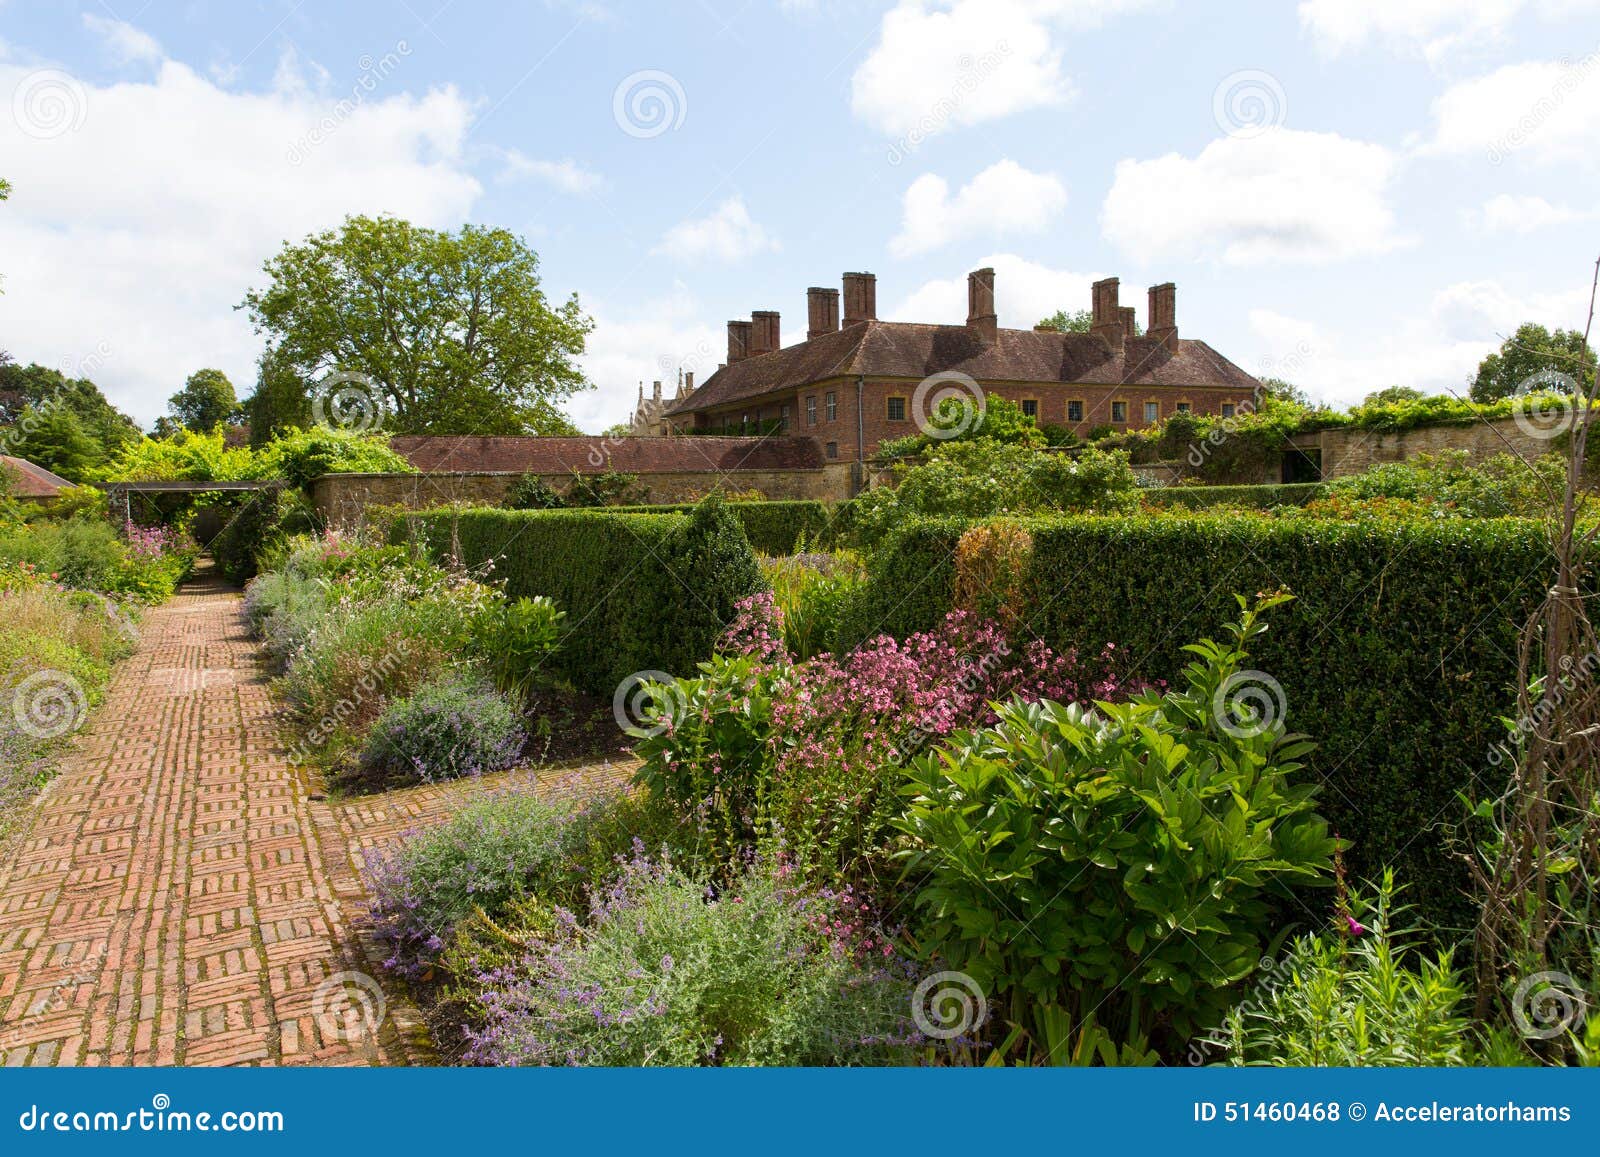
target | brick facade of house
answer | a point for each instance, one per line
(855, 386)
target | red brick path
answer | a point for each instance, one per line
(180, 898)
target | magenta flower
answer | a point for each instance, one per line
(1356, 927)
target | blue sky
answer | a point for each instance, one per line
(1349, 193)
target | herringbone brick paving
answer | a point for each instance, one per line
(181, 897)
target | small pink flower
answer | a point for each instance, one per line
(1356, 927)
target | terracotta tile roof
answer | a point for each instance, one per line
(30, 481)
(912, 350)
(443, 453)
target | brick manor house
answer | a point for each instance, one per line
(851, 386)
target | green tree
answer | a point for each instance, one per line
(1531, 350)
(31, 395)
(1061, 320)
(280, 402)
(452, 329)
(206, 401)
(1287, 392)
(1392, 394)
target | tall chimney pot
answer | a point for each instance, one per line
(860, 298)
(763, 331)
(981, 319)
(1164, 314)
(738, 341)
(1106, 317)
(822, 311)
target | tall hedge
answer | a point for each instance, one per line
(1263, 497)
(642, 592)
(772, 527)
(1397, 656)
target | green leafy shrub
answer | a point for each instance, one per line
(451, 726)
(1109, 869)
(1371, 994)
(257, 524)
(515, 641)
(775, 528)
(610, 488)
(1260, 497)
(1400, 644)
(531, 492)
(301, 456)
(1500, 487)
(653, 592)
(813, 593)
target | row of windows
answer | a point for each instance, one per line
(895, 410)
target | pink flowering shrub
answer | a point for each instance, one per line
(809, 752)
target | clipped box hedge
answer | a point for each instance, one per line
(772, 527)
(1397, 656)
(642, 592)
(1260, 497)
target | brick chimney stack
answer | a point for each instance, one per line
(822, 310)
(981, 319)
(1106, 315)
(1164, 314)
(738, 341)
(1130, 321)
(657, 392)
(860, 298)
(763, 331)
(688, 383)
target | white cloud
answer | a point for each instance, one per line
(1505, 213)
(727, 233)
(1545, 110)
(141, 285)
(1024, 292)
(1004, 198)
(127, 43)
(566, 175)
(1436, 349)
(1284, 196)
(1432, 28)
(650, 343)
(939, 63)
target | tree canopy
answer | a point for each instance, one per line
(1078, 322)
(63, 424)
(452, 330)
(1532, 350)
(206, 401)
(1392, 394)
(280, 402)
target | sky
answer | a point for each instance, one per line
(1349, 194)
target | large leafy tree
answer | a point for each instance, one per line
(453, 329)
(206, 401)
(63, 424)
(280, 402)
(1532, 350)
